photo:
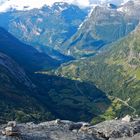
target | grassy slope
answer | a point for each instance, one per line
(116, 71)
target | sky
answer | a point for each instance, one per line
(19, 4)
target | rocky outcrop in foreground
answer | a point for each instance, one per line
(125, 129)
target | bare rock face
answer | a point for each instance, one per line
(11, 129)
(53, 130)
(136, 137)
(67, 130)
(117, 129)
(127, 118)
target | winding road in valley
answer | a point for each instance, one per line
(124, 102)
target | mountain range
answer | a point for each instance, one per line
(7, 5)
(106, 24)
(116, 71)
(40, 28)
(80, 33)
(64, 61)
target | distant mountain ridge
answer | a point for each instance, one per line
(104, 26)
(66, 29)
(47, 28)
(7, 5)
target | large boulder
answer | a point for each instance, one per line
(127, 118)
(11, 129)
(118, 128)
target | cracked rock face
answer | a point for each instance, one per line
(108, 130)
(50, 131)
(136, 137)
(118, 129)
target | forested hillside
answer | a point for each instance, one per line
(116, 71)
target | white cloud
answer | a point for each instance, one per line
(80, 2)
(110, 1)
(20, 4)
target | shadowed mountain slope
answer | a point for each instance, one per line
(26, 56)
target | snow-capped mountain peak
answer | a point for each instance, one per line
(5, 5)
(31, 4)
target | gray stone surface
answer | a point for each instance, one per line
(67, 130)
(136, 137)
(118, 129)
